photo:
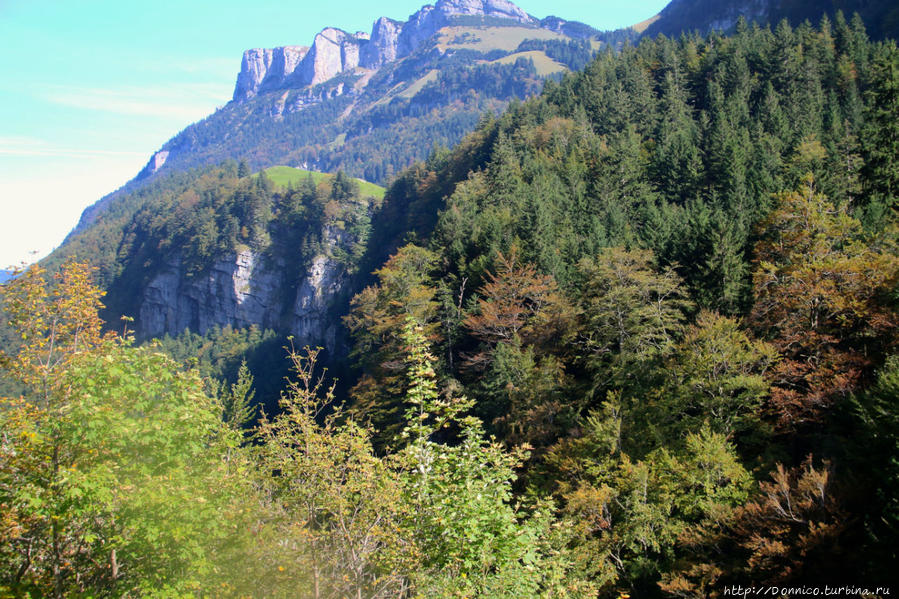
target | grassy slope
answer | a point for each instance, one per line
(544, 64)
(644, 25)
(417, 86)
(284, 175)
(484, 39)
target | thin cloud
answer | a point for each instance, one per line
(28, 146)
(203, 66)
(189, 101)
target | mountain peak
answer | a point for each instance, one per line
(334, 51)
(487, 8)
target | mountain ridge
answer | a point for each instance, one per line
(881, 17)
(314, 107)
(341, 122)
(265, 70)
(334, 51)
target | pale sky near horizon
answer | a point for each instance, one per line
(89, 89)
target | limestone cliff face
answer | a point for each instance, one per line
(334, 51)
(241, 290)
(267, 68)
(232, 291)
(324, 281)
(156, 162)
(427, 21)
(382, 45)
(263, 69)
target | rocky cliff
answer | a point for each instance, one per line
(267, 68)
(382, 44)
(243, 289)
(334, 51)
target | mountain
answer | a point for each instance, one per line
(364, 104)
(371, 103)
(334, 51)
(193, 246)
(668, 281)
(880, 16)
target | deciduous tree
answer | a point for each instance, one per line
(822, 298)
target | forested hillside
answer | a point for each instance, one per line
(634, 337)
(202, 215)
(694, 237)
(882, 16)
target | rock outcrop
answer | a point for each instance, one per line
(334, 51)
(267, 68)
(157, 160)
(382, 44)
(239, 290)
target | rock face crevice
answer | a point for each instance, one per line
(334, 51)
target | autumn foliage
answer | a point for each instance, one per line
(823, 298)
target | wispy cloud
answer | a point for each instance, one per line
(29, 146)
(203, 66)
(188, 101)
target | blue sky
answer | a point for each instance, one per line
(89, 89)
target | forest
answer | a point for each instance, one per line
(634, 337)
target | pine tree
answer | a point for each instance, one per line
(881, 134)
(238, 409)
